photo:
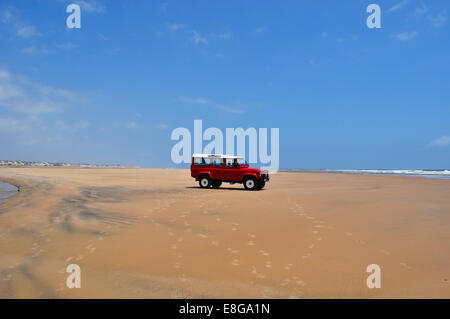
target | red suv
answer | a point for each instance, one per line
(212, 170)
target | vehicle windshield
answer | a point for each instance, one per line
(242, 162)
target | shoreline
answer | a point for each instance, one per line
(8, 193)
(153, 233)
(364, 172)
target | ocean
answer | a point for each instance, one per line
(427, 173)
(7, 190)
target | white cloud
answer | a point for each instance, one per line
(131, 125)
(66, 46)
(176, 26)
(4, 75)
(443, 141)
(22, 29)
(398, 6)
(27, 32)
(405, 36)
(36, 51)
(420, 11)
(198, 39)
(11, 125)
(162, 126)
(90, 6)
(260, 30)
(163, 7)
(439, 20)
(208, 102)
(20, 95)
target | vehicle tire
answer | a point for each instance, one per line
(204, 181)
(216, 184)
(261, 184)
(250, 183)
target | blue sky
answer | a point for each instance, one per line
(342, 95)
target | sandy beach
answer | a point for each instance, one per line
(153, 233)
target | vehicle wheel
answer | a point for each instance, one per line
(204, 182)
(250, 183)
(216, 184)
(261, 185)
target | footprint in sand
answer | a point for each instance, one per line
(300, 283)
(203, 235)
(287, 267)
(234, 228)
(251, 235)
(215, 243)
(306, 256)
(406, 266)
(268, 264)
(257, 274)
(311, 246)
(233, 251)
(173, 247)
(264, 253)
(348, 234)
(38, 253)
(235, 262)
(218, 219)
(315, 232)
(180, 255)
(250, 243)
(180, 240)
(319, 238)
(285, 282)
(177, 265)
(7, 277)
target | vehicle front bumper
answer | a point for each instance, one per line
(265, 177)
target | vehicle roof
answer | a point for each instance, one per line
(216, 156)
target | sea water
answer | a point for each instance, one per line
(6, 191)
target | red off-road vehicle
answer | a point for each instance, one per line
(213, 170)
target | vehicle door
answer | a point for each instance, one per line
(230, 170)
(217, 169)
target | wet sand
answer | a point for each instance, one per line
(152, 233)
(6, 191)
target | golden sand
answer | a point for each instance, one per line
(152, 233)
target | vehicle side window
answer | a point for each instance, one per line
(217, 162)
(229, 162)
(201, 161)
